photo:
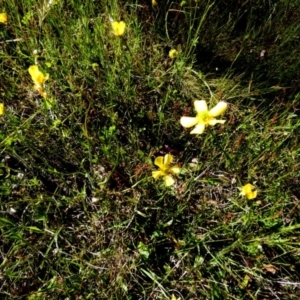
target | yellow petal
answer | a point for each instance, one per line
(167, 160)
(157, 174)
(37, 87)
(43, 94)
(159, 161)
(169, 180)
(33, 70)
(1, 109)
(215, 121)
(3, 17)
(219, 109)
(249, 191)
(37, 76)
(200, 105)
(188, 122)
(118, 27)
(175, 170)
(199, 129)
(173, 53)
(154, 3)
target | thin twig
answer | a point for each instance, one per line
(10, 41)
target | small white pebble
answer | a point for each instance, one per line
(94, 199)
(262, 53)
(12, 210)
(20, 175)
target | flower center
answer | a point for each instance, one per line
(203, 117)
(165, 170)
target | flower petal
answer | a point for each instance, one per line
(173, 53)
(199, 129)
(175, 170)
(43, 94)
(249, 190)
(118, 27)
(215, 121)
(159, 161)
(200, 105)
(33, 71)
(3, 18)
(169, 180)
(219, 109)
(167, 160)
(37, 76)
(1, 109)
(188, 122)
(157, 174)
(252, 195)
(37, 87)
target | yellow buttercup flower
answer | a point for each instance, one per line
(204, 116)
(249, 190)
(37, 76)
(173, 53)
(118, 27)
(165, 170)
(174, 298)
(1, 109)
(154, 3)
(39, 79)
(3, 17)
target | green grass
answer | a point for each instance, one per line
(81, 216)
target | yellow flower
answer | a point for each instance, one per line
(165, 170)
(204, 116)
(174, 298)
(154, 3)
(173, 53)
(3, 17)
(249, 191)
(118, 27)
(1, 109)
(38, 78)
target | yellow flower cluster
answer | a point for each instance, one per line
(203, 118)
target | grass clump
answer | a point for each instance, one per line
(81, 215)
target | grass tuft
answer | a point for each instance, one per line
(81, 216)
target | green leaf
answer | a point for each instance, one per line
(143, 250)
